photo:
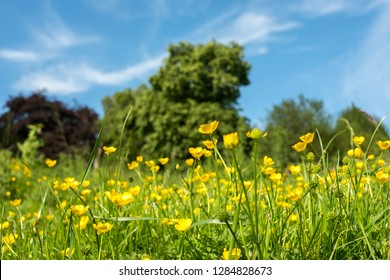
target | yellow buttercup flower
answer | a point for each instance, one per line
(109, 150)
(9, 239)
(132, 165)
(299, 147)
(254, 133)
(196, 152)
(79, 209)
(358, 140)
(235, 255)
(163, 161)
(383, 145)
(15, 202)
(84, 220)
(231, 140)
(210, 144)
(183, 224)
(50, 162)
(102, 227)
(295, 169)
(135, 190)
(190, 161)
(382, 177)
(267, 161)
(4, 225)
(307, 138)
(208, 128)
(118, 198)
(67, 252)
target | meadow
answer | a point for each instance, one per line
(216, 204)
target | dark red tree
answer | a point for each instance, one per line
(65, 130)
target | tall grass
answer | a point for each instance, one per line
(205, 207)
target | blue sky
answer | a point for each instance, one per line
(337, 51)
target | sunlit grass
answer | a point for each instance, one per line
(208, 206)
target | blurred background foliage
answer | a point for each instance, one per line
(196, 84)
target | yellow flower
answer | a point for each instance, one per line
(102, 227)
(140, 158)
(135, 190)
(109, 150)
(208, 128)
(295, 169)
(190, 161)
(79, 209)
(383, 145)
(196, 152)
(293, 217)
(236, 254)
(300, 146)
(382, 177)
(183, 224)
(358, 153)
(9, 239)
(118, 198)
(210, 144)
(268, 170)
(50, 163)
(4, 225)
(163, 161)
(15, 202)
(267, 161)
(66, 252)
(231, 140)
(150, 163)
(254, 134)
(307, 138)
(84, 220)
(358, 140)
(132, 165)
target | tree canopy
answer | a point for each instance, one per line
(205, 73)
(356, 122)
(64, 129)
(196, 84)
(287, 121)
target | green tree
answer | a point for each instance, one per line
(206, 73)
(289, 120)
(354, 121)
(196, 84)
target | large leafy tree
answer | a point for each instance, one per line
(206, 73)
(290, 119)
(196, 84)
(64, 130)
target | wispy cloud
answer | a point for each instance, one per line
(18, 55)
(321, 7)
(246, 28)
(67, 79)
(366, 78)
(318, 8)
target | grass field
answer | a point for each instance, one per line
(208, 206)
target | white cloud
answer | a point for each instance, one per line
(366, 79)
(122, 76)
(66, 79)
(56, 35)
(317, 8)
(18, 56)
(246, 28)
(322, 7)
